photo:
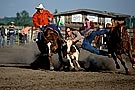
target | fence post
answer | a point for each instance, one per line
(134, 39)
(18, 37)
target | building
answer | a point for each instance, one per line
(75, 18)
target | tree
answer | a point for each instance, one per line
(23, 19)
(18, 19)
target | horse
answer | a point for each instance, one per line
(71, 52)
(50, 44)
(118, 44)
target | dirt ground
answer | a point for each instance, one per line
(17, 74)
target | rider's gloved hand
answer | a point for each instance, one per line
(40, 26)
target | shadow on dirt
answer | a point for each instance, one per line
(41, 62)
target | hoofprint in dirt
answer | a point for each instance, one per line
(16, 78)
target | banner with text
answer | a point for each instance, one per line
(92, 18)
(77, 18)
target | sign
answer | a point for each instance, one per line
(107, 20)
(77, 18)
(92, 18)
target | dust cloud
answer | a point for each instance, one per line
(30, 55)
(23, 54)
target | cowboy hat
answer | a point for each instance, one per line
(12, 22)
(100, 26)
(40, 6)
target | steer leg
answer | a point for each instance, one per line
(76, 55)
(70, 61)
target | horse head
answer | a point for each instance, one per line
(52, 37)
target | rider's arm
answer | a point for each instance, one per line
(50, 16)
(35, 20)
(78, 36)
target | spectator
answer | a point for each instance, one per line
(11, 33)
(2, 37)
(24, 32)
(88, 26)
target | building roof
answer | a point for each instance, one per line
(104, 13)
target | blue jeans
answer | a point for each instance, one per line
(86, 30)
(1, 41)
(56, 28)
(11, 38)
(24, 38)
(50, 25)
(88, 40)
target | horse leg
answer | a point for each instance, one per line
(61, 58)
(115, 59)
(51, 64)
(131, 59)
(50, 57)
(124, 65)
(70, 62)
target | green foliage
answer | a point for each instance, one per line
(130, 22)
(6, 20)
(21, 19)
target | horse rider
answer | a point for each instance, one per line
(43, 18)
(85, 42)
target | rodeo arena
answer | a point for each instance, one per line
(26, 64)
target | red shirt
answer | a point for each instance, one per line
(41, 18)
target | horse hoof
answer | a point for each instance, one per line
(51, 68)
(109, 55)
(81, 69)
(72, 69)
(118, 66)
(133, 66)
(77, 69)
(128, 72)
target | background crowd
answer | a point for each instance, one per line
(12, 35)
